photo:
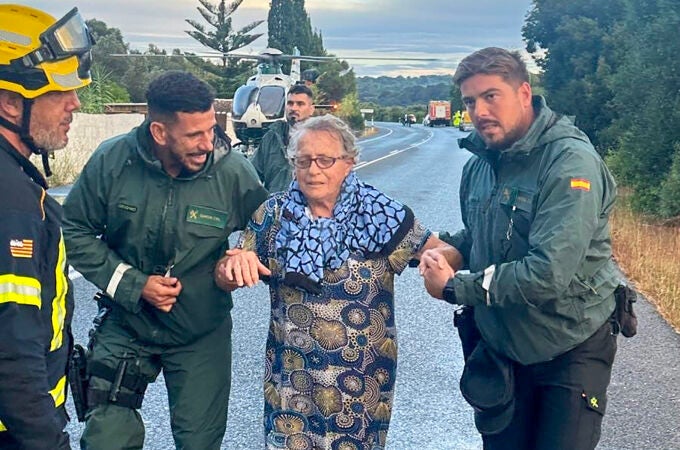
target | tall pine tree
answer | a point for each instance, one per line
(223, 38)
(290, 27)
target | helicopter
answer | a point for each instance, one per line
(261, 100)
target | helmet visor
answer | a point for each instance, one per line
(69, 36)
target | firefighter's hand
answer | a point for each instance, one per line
(161, 291)
(436, 271)
(239, 268)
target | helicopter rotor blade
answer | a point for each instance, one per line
(168, 55)
(272, 57)
(385, 58)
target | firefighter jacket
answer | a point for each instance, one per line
(36, 307)
(271, 160)
(536, 240)
(126, 219)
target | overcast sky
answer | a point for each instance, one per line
(443, 29)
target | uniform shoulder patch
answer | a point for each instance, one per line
(21, 248)
(580, 184)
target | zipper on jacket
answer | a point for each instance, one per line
(513, 203)
(169, 201)
(490, 199)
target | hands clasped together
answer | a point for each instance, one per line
(239, 268)
(435, 270)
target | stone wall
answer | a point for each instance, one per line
(87, 132)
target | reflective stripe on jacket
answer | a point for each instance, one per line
(36, 308)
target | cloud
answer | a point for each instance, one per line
(443, 29)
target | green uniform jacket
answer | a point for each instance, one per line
(149, 221)
(36, 308)
(536, 240)
(271, 161)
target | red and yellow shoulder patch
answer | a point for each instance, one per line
(581, 184)
(21, 248)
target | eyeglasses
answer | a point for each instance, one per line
(322, 162)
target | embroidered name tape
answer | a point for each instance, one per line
(206, 216)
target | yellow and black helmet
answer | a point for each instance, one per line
(40, 54)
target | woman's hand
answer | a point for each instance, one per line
(239, 268)
(436, 271)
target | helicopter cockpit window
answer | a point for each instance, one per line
(272, 100)
(243, 97)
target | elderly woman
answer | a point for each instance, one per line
(329, 249)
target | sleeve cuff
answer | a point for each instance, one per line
(449, 292)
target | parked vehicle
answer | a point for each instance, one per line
(439, 112)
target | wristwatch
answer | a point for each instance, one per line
(449, 292)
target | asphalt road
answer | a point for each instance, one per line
(421, 167)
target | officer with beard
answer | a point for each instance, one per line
(270, 160)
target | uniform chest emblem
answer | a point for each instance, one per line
(21, 248)
(206, 216)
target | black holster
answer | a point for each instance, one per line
(120, 377)
(78, 380)
(624, 319)
(78, 373)
(464, 321)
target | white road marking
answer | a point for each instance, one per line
(389, 131)
(394, 152)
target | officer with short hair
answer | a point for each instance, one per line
(42, 63)
(146, 222)
(271, 159)
(535, 200)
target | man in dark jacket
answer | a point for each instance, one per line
(270, 159)
(38, 79)
(146, 222)
(535, 201)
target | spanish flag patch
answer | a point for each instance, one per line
(580, 183)
(21, 248)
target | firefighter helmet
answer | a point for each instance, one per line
(39, 54)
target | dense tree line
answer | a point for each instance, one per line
(119, 78)
(614, 65)
(404, 91)
(392, 97)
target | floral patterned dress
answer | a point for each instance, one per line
(331, 359)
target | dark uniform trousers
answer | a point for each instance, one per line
(7, 442)
(559, 404)
(197, 377)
